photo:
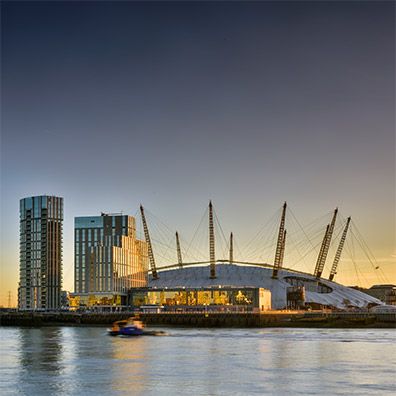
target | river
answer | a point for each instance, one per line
(85, 361)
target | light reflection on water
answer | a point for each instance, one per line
(84, 360)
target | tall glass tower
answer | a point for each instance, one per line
(40, 270)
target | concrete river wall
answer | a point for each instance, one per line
(212, 319)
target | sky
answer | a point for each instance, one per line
(170, 104)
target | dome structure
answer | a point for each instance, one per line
(317, 291)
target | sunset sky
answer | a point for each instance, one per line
(170, 104)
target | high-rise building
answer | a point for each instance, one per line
(108, 261)
(40, 270)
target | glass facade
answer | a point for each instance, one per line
(248, 298)
(40, 269)
(108, 258)
(94, 300)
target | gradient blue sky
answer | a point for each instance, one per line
(112, 104)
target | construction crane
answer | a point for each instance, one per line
(212, 257)
(149, 246)
(179, 255)
(231, 248)
(324, 249)
(339, 250)
(280, 246)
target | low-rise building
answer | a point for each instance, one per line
(385, 293)
(64, 299)
(226, 299)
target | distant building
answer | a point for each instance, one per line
(108, 261)
(385, 293)
(295, 297)
(65, 296)
(40, 270)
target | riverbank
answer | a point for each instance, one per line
(268, 319)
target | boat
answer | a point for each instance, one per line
(133, 326)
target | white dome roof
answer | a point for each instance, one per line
(257, 276)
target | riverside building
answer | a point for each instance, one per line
(40, 270)
(385, 293)
(108, 261)
(219, 299)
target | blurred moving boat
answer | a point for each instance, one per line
(131, 327)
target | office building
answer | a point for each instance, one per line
(108, 259)
(40, 271)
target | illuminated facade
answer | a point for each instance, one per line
(321, 292)
(40, 270)
(108, 261)
(219, 299)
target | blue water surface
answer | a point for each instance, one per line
(85, 361)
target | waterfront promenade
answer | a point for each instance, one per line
(209, 319)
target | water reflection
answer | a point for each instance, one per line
(84, 360)
(40, 357)
(213, 362)
(128, 361)
(41, 350)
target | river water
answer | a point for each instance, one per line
(85, 361)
